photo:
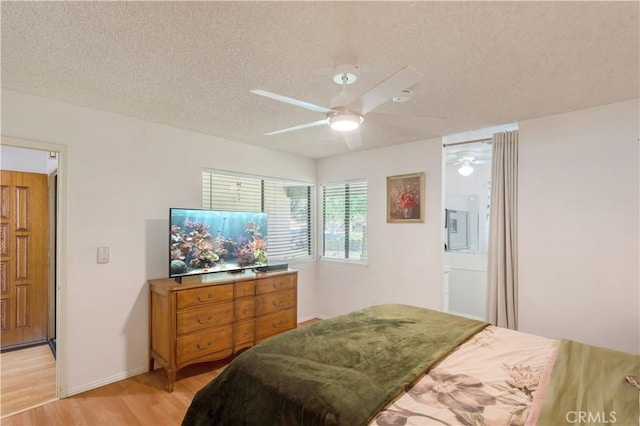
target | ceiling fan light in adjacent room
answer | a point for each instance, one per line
(465, 169)
(344, 122)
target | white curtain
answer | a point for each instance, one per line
(502, 268)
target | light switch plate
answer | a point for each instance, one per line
(103, 254)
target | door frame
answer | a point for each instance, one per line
(52, 181)
(61, 246)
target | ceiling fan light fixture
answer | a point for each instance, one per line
(343, 122)
(465, 168)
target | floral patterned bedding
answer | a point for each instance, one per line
(489, 380)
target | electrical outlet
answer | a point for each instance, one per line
(103, 254)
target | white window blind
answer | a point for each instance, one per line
(344, 221)
(287, 204)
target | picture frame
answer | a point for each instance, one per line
(405, 198)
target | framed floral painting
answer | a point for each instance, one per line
(405, 201)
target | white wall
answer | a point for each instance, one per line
(578, 226)
(123, 175)
(404, 259)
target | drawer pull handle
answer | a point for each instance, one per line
(209, 296)
(205, 347)
(244, 291)
(201, 321)
(244, 311)
(276, 324)
(277, 303)
(277, 285)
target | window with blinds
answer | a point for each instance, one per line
(344, 221)
(287, 204)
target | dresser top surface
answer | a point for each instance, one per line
(219, 278)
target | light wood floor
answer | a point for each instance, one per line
(139, 400)
(28, 379)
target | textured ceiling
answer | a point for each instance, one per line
(191, 64)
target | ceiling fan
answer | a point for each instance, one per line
(348, 110)
(465, 159)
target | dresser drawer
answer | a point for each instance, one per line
(204, 316)
(283, 282)
(275, 323)
(244, 289)
(275, 301)
(204, 342)
(245, 308)
(243, 332)
(205, 295)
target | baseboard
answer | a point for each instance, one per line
(79, 389)
(23, 346)
(307, 318)
(310, 317)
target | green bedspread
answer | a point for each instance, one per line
(588, 387)
(339, 371)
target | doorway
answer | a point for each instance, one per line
(467, 189)
(28, 273)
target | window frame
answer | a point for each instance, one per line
(264, 193)
(322, 251)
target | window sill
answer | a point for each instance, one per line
(361, 263)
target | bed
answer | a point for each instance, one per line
(404, 365)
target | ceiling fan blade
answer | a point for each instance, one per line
(352, 138)
(296, 102)
(301, 126)
(385, 90)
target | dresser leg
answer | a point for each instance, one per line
(151, 364)
(171, 379)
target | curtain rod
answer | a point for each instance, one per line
(486, 140)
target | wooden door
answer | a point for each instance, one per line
(23, 258)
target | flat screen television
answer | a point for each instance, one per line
(206, 241)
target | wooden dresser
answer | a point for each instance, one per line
(210, 317)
